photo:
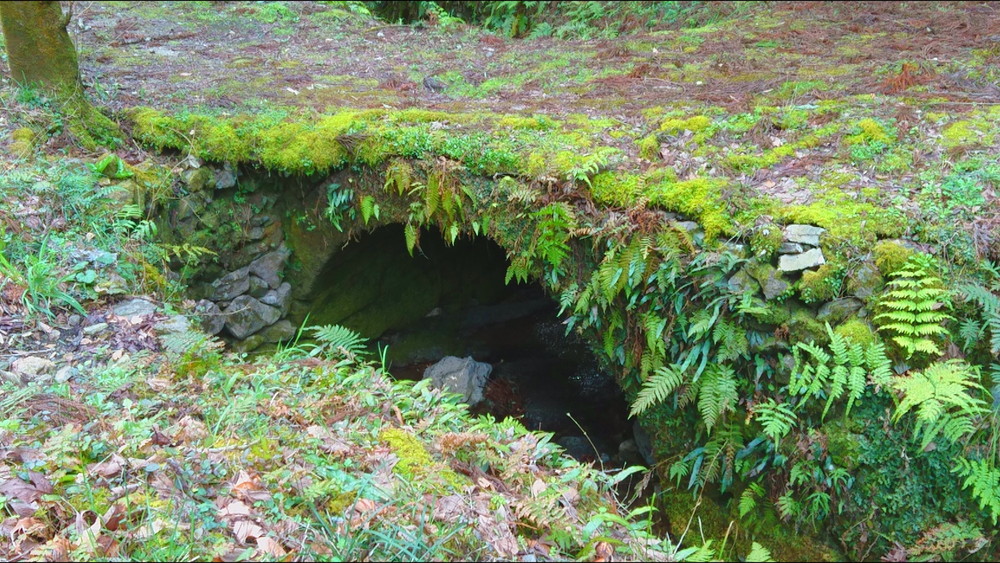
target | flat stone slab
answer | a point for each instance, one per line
(804, 234)
(134, 308)
(804, 261)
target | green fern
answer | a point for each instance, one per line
(657, 388)
(940, 396)
(339, 339)
(716, 393)
(369, 209)
(411, 233)
(555, 222)
(845, 369)
(912, 310)
(758, 554)
(340, 205)
(983, 476)
(398, 177)
(748, 499)
(777, 419)
(989, 305)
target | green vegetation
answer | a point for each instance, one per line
(658, 228)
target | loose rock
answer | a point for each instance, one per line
(269, 266)
(280, 298)
(796, 262)
(134, 308)
(805, 234)
(32, 368)
(838, 310)
(212, 321)
(790, 248)
(464, 376)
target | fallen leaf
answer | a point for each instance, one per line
(248, 488)
(603, 551)
(235, 509)
(245, 529)
(108, 468)
(270, 548)
(112, 519)
(41, 482)
(364, 505)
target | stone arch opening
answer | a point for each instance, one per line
(452, 300)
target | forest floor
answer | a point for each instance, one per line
(801, 103)
(151, 448)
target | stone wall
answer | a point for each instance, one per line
(274, 242)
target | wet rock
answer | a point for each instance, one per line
(464, 376)
(246, 315)
(790, 248)
(258, 287)
(231, 285)
(280, 298)
(134, 308)
(225, 178)
(643, 444)
(735, 248)
(95, 329)
(174, 324)
(269, 266)
(771, 283)
(212, 320)
(689, 226)
(66, 373)
(804, 261)
(249, 344)
(741, 282)
(839, 310)
(279, 332)
(33, 368)
(865, 281)
(579, 447)
(198, 179)
(254, 233)
(805, 234)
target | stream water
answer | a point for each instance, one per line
(548, 379)
(452, 301)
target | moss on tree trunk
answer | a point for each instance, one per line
(41, 55)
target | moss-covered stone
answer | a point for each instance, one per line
(765, 241)
(771, 281)
(890, 256)
(415, 462)
(649, 147)
(803, 327)
(822, 284)
(857, 331)
(865, 281)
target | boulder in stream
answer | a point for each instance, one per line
(464, 376)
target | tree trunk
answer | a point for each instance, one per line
(39, 49)
(41, 55)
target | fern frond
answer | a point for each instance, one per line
(983, 477)
(717, 394)
(777, 419)
(340, 339)
(655, 390)
(940, 396)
